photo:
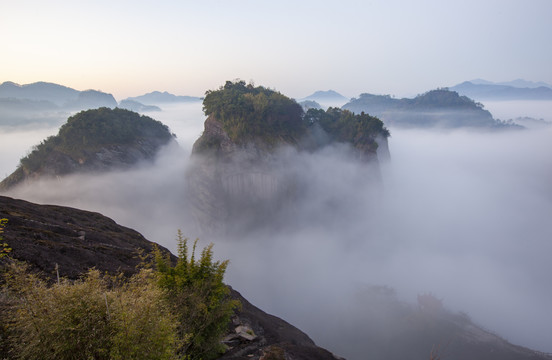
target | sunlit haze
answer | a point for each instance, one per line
(398, 47)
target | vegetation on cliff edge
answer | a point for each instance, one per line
(163, 312)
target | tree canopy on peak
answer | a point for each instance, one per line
(92, 129)
(248, 112)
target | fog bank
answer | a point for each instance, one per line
(463, 215)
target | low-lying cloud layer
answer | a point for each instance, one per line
(463, 215)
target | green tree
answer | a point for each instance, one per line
(198, 297)
(4, 247)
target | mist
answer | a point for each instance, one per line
(463, 215)
(17, 141)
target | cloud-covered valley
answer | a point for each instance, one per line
(460, 214)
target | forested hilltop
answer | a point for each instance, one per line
(247, 112)
(98, 139)
(251, 113)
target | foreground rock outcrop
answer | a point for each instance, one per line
(72, 240)
(75, 240)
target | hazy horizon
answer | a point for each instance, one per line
(394, 47)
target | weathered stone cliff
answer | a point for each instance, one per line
(245, 167)
(232, 181)
(234, 186)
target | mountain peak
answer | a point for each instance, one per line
(517, 83)
(158, 97)
(328, 95)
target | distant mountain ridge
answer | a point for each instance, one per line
(518, 83)
(137, 106)
(57, 94)
(157, 97)
(61, 96)
(436, 108)
(514, 90)
(44, 102)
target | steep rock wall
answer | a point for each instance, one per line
(233, 186)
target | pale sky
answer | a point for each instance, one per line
(398, 47)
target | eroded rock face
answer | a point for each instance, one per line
(227, 180)
(234, 186)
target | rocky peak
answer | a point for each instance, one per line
(241, 163)
(214, 139)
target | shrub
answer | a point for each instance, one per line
(86, 319)
(4, 247)
(173, 311)
(146, 329)
(64, 321)
(198, 297)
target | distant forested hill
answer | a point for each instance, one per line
(435, 108)
(158, 97)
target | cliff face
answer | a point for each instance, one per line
(236, 186)
(231, 181)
